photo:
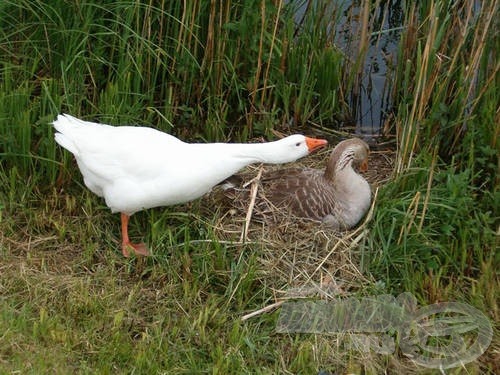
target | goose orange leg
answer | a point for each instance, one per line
(138, 249)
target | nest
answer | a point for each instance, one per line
(299, 258)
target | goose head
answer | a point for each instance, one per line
(348, 154)
(291, 148)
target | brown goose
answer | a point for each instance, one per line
(338, 196)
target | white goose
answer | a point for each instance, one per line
(135, 168)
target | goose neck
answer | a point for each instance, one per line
(259, 153)
(340, 162)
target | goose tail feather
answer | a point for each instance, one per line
(66, 127)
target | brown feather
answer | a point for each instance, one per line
(328, 195)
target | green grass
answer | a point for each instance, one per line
(206, 71)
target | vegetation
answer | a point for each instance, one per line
(231, 70)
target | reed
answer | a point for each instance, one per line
(426, 232)
(203, 68)
(440, 77)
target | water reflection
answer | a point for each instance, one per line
(370, 98)
(353, 22)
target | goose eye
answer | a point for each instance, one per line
(297, 144)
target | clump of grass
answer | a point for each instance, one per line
(436, 228)
(443, 74)
(448, 139)
(201, 70)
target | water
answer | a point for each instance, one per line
(370, 99)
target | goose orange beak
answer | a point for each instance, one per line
(364, 166)
(314, 143)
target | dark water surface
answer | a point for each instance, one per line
(370, 100)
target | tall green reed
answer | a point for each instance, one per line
(445, 68)
(437, 220)
(209, 70)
